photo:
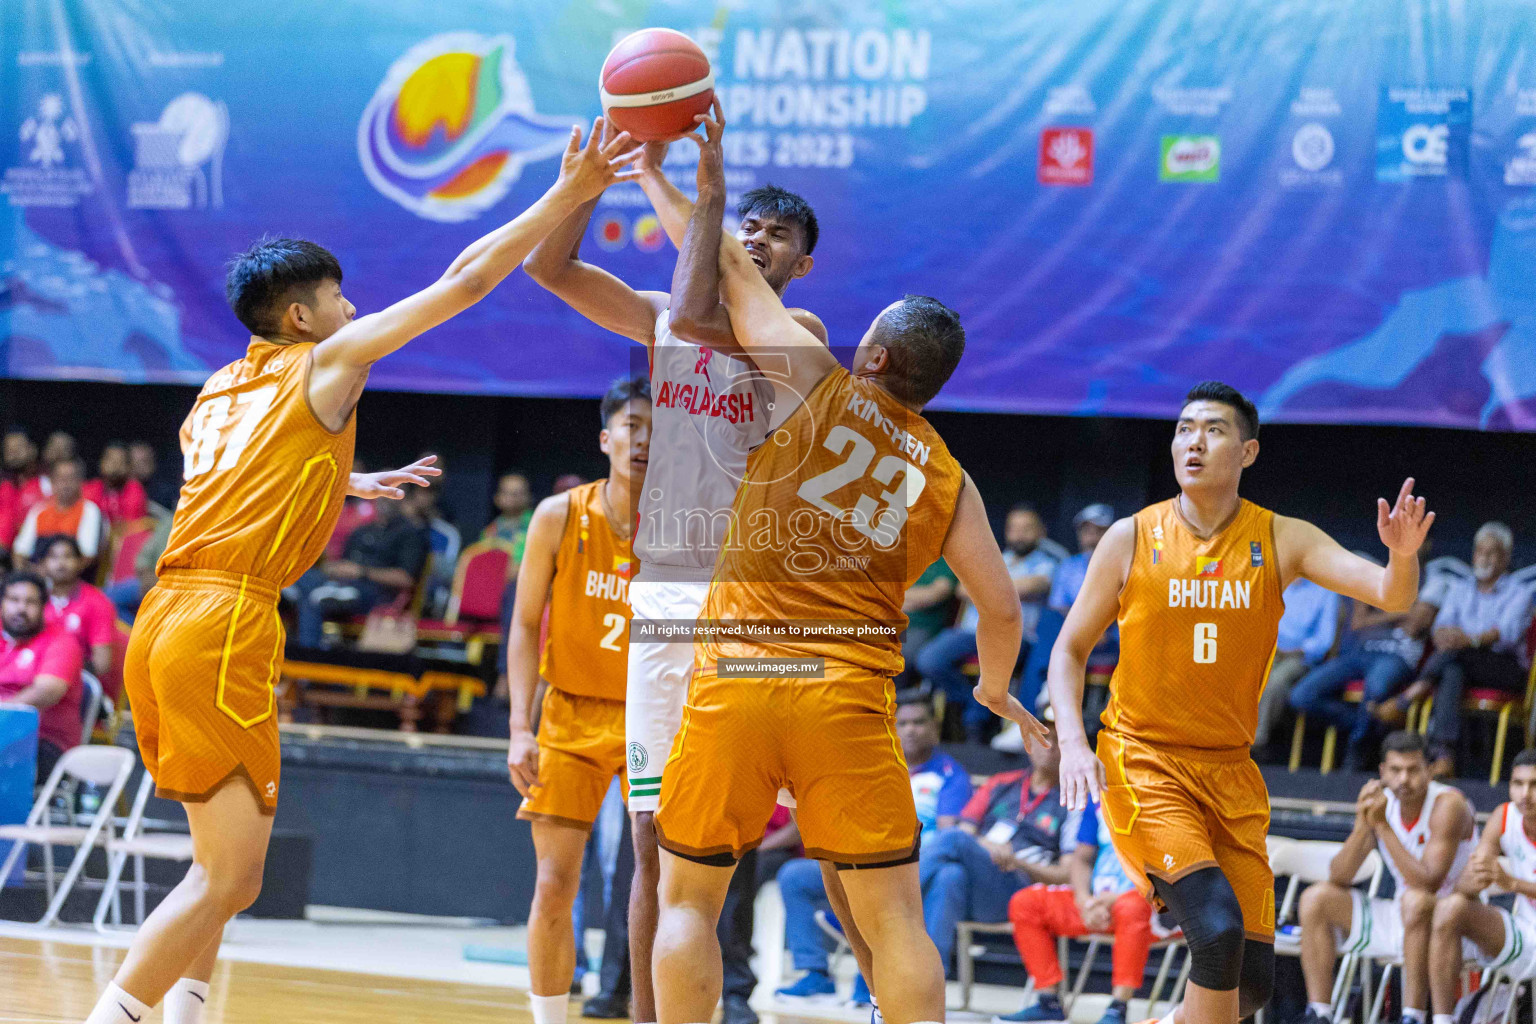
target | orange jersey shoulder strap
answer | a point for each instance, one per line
(587, 652)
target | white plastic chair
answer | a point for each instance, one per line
(1305, 862)
(90, 706)
(141, 846)
(99, 766)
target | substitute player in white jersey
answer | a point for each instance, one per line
(1425, 833)
(1497, 938)
(710, 408)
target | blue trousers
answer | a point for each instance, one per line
(960, 883)
(1319, 693)
(940, 661)
(804, 893)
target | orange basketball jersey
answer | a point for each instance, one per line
(263, 479)
(1198, 621)
(587, 652)
(842, 508)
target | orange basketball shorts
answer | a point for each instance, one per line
(1172, 814)
(204, 654)
(581, 749)
(831, 743)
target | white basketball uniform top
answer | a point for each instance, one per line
(1519, 854)
(708, 411)
(1415, 839)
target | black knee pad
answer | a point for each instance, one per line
(1207, 910)
(1258, 980)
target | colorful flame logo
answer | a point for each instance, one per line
(451, 126)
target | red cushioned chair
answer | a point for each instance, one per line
(473, 616)
(1481, 701)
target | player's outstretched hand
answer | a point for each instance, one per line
(523, 761)
(711, 155)
(1404, 525)
(585, 170)
(1008, 706)
(391, 483)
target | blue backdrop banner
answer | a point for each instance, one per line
(1328, 205)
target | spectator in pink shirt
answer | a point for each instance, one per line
(40, 666)
(120, 497)
(74, 606)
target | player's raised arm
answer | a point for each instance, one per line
(391, 482)
(584, 172)
(1307, 551)
(534, 576)
(971, 551)
(1095, 608)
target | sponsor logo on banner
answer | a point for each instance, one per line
(1190, 158)
(452, 125)
(649, 237)
(1192, 101)
(1316, 101)
(1422, 133)
(1069, 99)
(1066, 156)
(178, 161)
(1312, 152)
(50, 142)
(1520, 169)
(612, 233)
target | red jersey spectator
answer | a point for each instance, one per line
(78, 608)
(120, 497)
(10, 515)
(39, 666)
(68, 511)
(19, 455)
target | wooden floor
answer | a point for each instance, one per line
(50, 982)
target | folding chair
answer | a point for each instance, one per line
(99, 766)
(141, 846)
(90, 706)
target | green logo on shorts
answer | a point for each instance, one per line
(638, 758)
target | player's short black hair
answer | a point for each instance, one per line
(1404, 742)
(1525, 759)
(264, 279)
(45, 545)
(783, 205)
(24, 576)
(622, 391)
(1226, 394)
(925, 340)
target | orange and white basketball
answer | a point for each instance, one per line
(654, 82)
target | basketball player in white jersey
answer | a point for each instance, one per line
(1425, 833)
(710, 408)
(1498, 939)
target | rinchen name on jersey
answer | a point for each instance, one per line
(868, 409)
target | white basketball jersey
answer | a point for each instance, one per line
(1519, 854)
(1415, 840)
(708, 411)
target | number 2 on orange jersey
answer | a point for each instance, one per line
(615, 624)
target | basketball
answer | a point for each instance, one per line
(654, 82)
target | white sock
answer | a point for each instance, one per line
(875, 1016)
(1323, 1010)
(549, 1009)
(117, 1007)
(1445, 1018)
(186, 1001)
(1416, 1016)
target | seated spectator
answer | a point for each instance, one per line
(1479, 637)
(67, 511)
(1009, 836)
(354, 513)
(22, 471)
(120, 497)
(127, 594)
(940, 789)
(40, 666)
(142, 466)
(1505, 859)
(1101, 899)
(514, 510)
(60, 447)
(1424, 832)
(1032, 559)
(1382, 649)
(1308, 627)
(74, 606)
(929, 605)
(443, 538)
(381, 564)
